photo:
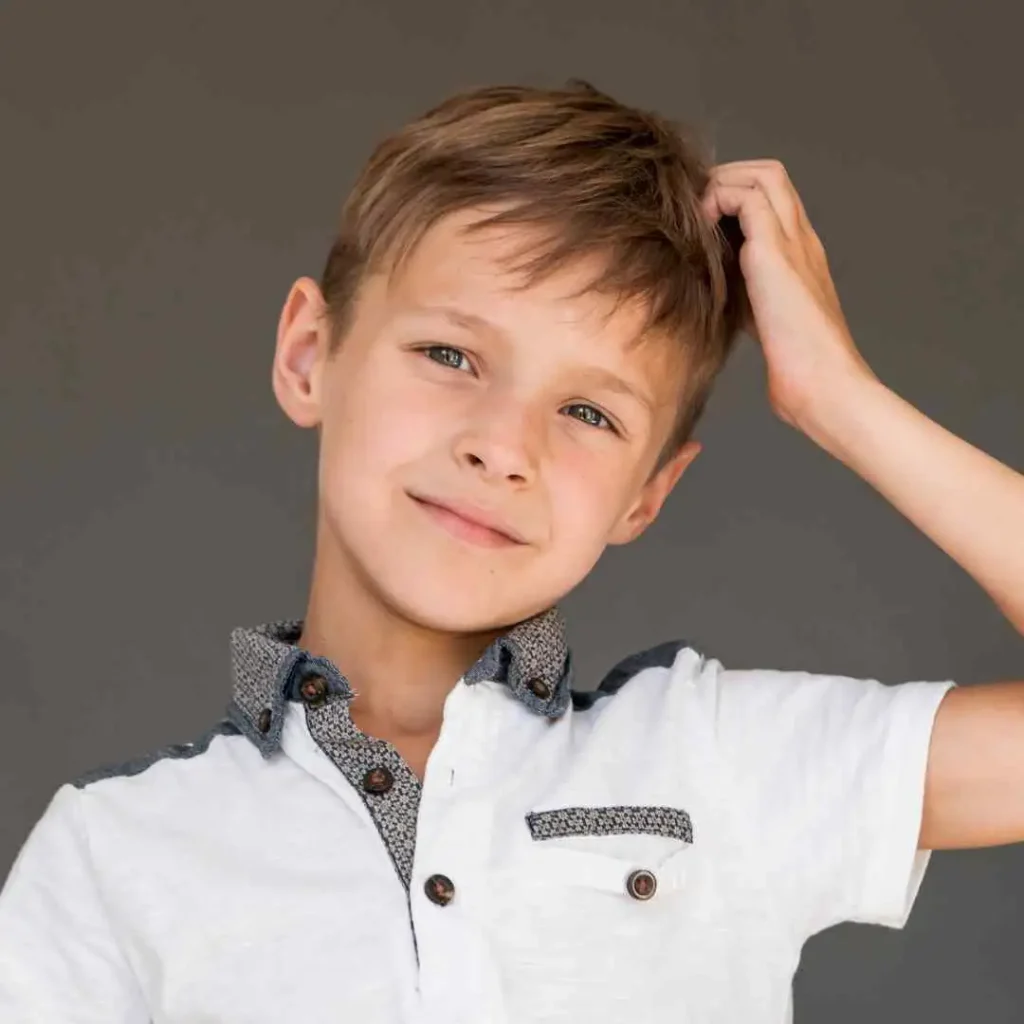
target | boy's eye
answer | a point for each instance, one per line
(446, 355)
(589, 415)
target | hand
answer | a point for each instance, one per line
(794, 309)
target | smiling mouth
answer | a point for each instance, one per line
(461, 524)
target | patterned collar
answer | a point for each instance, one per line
(268, 667)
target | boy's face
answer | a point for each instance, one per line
(480, 445)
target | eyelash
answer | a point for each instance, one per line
(604, 424)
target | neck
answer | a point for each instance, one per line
(400, 670)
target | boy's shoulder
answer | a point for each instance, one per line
(661, 656)
(173, 752)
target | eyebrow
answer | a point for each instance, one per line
(459, 317)
(600, 377)
(613, 382)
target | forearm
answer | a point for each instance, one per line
(968, 503)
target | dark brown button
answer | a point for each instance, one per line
(378, 780)
(539, 688)
(439, 889)
(313, 691)
(641, 884)
(263, 722)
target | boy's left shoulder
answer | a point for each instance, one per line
(653, 662)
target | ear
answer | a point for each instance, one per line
(652, 496)
(301, 352)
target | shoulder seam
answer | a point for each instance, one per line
(175, 751)
(662, 655)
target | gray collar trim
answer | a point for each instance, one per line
(532, 659)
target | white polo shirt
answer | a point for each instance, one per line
(658, 850)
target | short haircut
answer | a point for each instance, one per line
(594, 176)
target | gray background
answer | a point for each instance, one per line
(168, 170)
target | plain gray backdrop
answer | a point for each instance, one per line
(168, 170)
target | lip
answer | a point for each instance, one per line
(470, 522)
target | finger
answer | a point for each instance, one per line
(783, 199)
(748, 204)
(767, 170)
(777, 171)
(772, 177)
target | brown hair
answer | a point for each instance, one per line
(597, 177)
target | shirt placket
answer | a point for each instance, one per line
(459, 981)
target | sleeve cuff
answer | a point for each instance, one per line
(896, 867)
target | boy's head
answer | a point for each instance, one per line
(519, 321)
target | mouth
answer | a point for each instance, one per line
(468, 523)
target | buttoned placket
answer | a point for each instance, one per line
(298, 744)
(458, 976)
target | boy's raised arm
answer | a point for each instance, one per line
(967, 502)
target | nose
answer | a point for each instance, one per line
(500, 442)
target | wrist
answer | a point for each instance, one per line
(836, 414)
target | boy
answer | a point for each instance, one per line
(409, 815)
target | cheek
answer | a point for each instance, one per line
(379, 423)
(587, 490)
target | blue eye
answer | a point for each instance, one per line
(591, 416)
(446, 355)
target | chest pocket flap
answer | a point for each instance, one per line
(648, 854)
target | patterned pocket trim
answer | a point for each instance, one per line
(673, 822)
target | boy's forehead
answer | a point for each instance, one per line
(477, 274)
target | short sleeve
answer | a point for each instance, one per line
(829, 775)
(59, 956)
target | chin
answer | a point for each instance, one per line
(451, 605)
